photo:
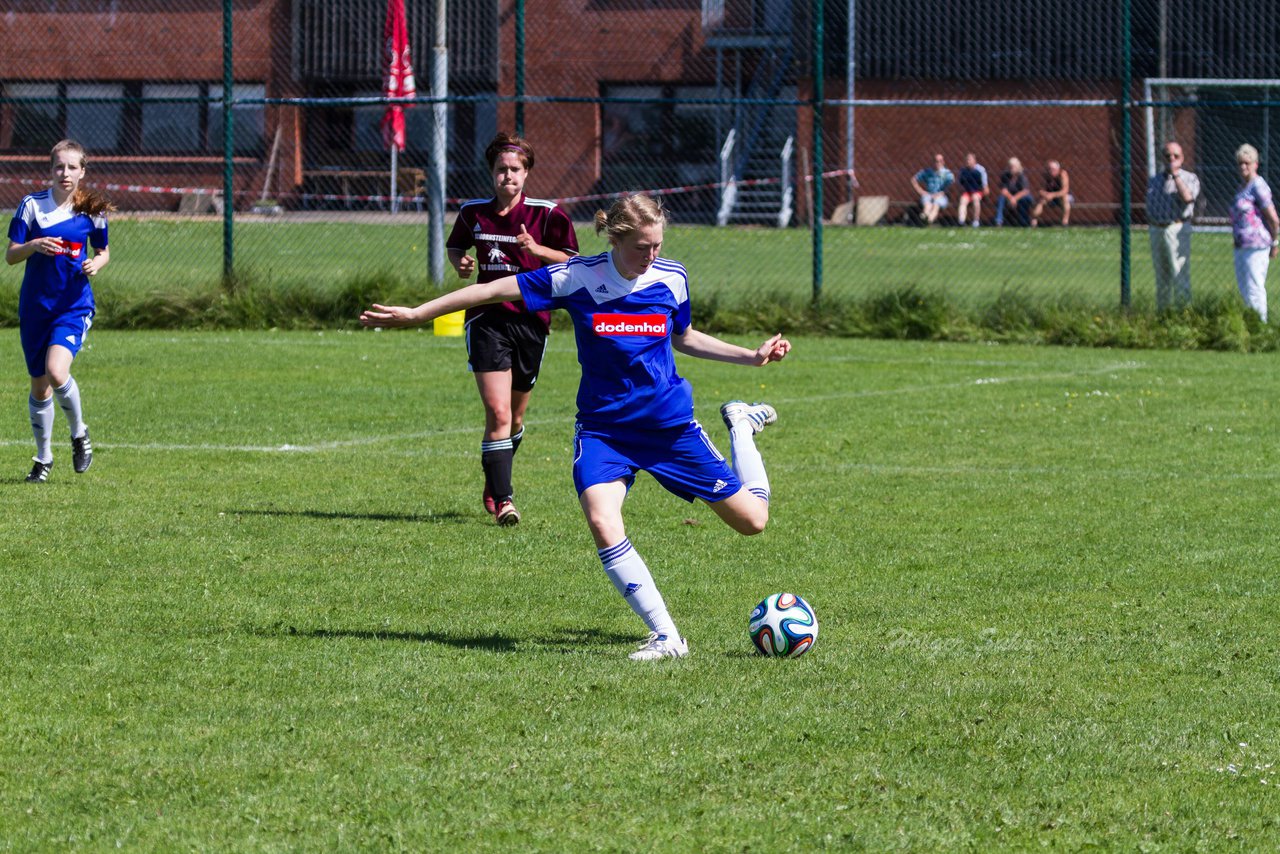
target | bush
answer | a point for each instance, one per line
(254, 301)
(1216, 323)
(251, 301)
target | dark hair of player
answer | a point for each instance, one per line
(509, 142)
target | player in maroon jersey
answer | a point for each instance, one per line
(511, 234)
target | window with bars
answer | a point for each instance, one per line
(130, 118)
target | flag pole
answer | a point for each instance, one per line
(394, 205)
(398, 83)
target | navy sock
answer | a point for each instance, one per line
(495, 459)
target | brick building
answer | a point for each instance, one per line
(643, 78)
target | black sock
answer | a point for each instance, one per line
(495, 458)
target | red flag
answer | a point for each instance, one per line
(397, 73)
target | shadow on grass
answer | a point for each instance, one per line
(575, 640)
(492, 643)
(368, 517)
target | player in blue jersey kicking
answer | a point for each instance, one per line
(53, 231)
(630, 309)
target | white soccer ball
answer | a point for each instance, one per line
(783, 626)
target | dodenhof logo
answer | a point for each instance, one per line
(653, 325)
(67, 247)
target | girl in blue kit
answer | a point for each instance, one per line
(53, 232)
(630, 309)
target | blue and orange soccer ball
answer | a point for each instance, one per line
(783, 626)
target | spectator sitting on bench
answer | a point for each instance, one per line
(1015, 193)
(973, 186)
(931, 186)
(1056, 193)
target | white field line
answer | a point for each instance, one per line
(1194, 475)
(286, 448)
(366, 441)
(978, 381)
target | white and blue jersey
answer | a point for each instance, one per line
(623, 329)
(634, 411)
(55, 285)
(55, 305)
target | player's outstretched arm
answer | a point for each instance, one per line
(704, 346)
(499, 290)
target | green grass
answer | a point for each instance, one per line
(274, 617)
(314, 274)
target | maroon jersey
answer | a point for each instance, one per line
(497, 252)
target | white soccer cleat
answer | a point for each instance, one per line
(661, 646)
(758, 415)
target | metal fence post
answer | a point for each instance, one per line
(1126, 156)
(519, 68)
(818, 95)
(438, 173)
(228, 146)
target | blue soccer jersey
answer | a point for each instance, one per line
(623, 329)
(54, 285)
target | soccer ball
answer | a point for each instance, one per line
(783, 626)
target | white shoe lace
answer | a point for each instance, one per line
(658, 646)
(758, 415)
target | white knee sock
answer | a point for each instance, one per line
(629, 574)
(42, 426)
(747, 463)
(69, 399)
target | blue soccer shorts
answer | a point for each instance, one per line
(682, 459)
(43, 331)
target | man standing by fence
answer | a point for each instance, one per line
(1171, 201)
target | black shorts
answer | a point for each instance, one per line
(506, 341)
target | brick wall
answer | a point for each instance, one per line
(120, 43)
(569, 66)
(893, 143)
(659, 43)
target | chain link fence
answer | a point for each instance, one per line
(787, 139)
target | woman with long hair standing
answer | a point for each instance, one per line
(53, 231)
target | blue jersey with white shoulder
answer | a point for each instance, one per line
(55, 285)
(623, 329)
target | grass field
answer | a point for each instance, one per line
(273, 616)
(167, 258)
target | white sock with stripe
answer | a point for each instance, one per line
(69, 399)
(630, 576)
(42, 426)
(747, 463)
